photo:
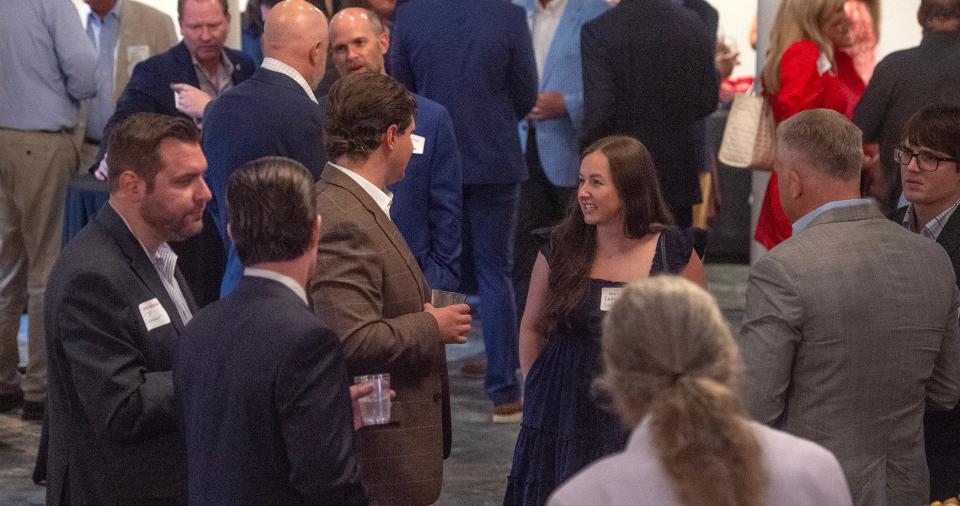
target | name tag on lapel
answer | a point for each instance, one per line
(608, 296)
(418, 143)
(153, 314)
(135, 55)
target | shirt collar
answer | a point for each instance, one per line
(283, 279)
(152, 256)
(801, 224)
(383, 198)
(86, 12)
(932, 228)
(225, 70)
(278, 66)
(552, 7)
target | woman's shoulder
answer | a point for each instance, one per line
(677, 245)
(802, 49)
(800, 469)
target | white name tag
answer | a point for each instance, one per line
(135, 55)
(608, 296)
(153, 314)
(418, 143)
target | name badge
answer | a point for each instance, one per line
(153, 314)
(608, 296)
(418, 143)
(135, 55)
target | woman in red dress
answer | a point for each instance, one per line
(806, 70)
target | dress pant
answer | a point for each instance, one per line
(489, 222)
(542, 205)
(35, 167)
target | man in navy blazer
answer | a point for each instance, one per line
(475, 58)
(648, 72)
(274, 113)
(427, 201)
(116, 305)
(550, 134)
(149, 90)
(261, 384)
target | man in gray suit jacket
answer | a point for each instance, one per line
(851, 324)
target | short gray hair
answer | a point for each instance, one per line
(826, 140)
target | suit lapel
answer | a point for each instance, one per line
(185, 63)
(567, 29)
(335, 177)
(141, 264)
(949, 237)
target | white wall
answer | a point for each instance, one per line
(898, 27)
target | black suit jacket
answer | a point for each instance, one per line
(942, 428)
(263, 395)
(648, 72)
(113, 432)
(203, 258)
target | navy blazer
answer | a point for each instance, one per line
(266, 115)
(111, 412)
(262, 391)
(149, 86)
(648, 72)
(474, 57)
(427, 203)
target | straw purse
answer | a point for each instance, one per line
(750, 137)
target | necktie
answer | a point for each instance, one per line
(102, 105)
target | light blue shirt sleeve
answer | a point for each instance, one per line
(47, 64)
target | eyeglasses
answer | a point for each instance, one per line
(925, 161)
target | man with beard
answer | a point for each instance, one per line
(116, 305)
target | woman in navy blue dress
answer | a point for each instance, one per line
(618, 230)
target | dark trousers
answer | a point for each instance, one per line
(542, 205)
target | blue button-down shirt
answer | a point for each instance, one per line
(47, 64)
(803, 222)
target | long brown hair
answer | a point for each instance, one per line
(574, 243)
(797, 20)
(669, 353)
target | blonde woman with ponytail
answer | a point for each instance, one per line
(671, 367)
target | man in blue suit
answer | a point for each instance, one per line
(550, 133)
(260, 383)
(201, 68)
(427, 202)
(488, 86)
(274, 113)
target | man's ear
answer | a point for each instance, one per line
(390, 136)
(315, 231)
(230, 232)
(384, 40)
(132, 186)
(794, 184)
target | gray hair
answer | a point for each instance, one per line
(826, 140)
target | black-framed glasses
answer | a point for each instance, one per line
(925, 161)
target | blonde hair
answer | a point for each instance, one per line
(797, 20)
(668, 352)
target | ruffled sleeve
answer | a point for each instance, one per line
(673, 251)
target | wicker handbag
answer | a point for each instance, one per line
(750, 137)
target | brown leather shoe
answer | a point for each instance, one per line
(510, 412)
(474, 368)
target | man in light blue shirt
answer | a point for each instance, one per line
(47, 66)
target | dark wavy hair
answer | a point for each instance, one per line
(271, 210)
(936, 127)
(361, 109)
(574, 243)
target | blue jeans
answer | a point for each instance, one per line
(490, 220)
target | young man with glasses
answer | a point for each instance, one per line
(928, 156)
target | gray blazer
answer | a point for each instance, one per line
(851, 326)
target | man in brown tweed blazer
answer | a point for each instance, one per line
(370, 291)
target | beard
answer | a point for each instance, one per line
(171, 224)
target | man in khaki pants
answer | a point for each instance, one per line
(49, 66)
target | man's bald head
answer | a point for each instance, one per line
(295, 33)
(358, 41)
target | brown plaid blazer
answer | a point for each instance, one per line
(369, 289)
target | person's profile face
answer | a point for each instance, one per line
(597, 193)
(936, 188)
(836, 28)
(204, 28)
(174, 205)
(354, 46)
